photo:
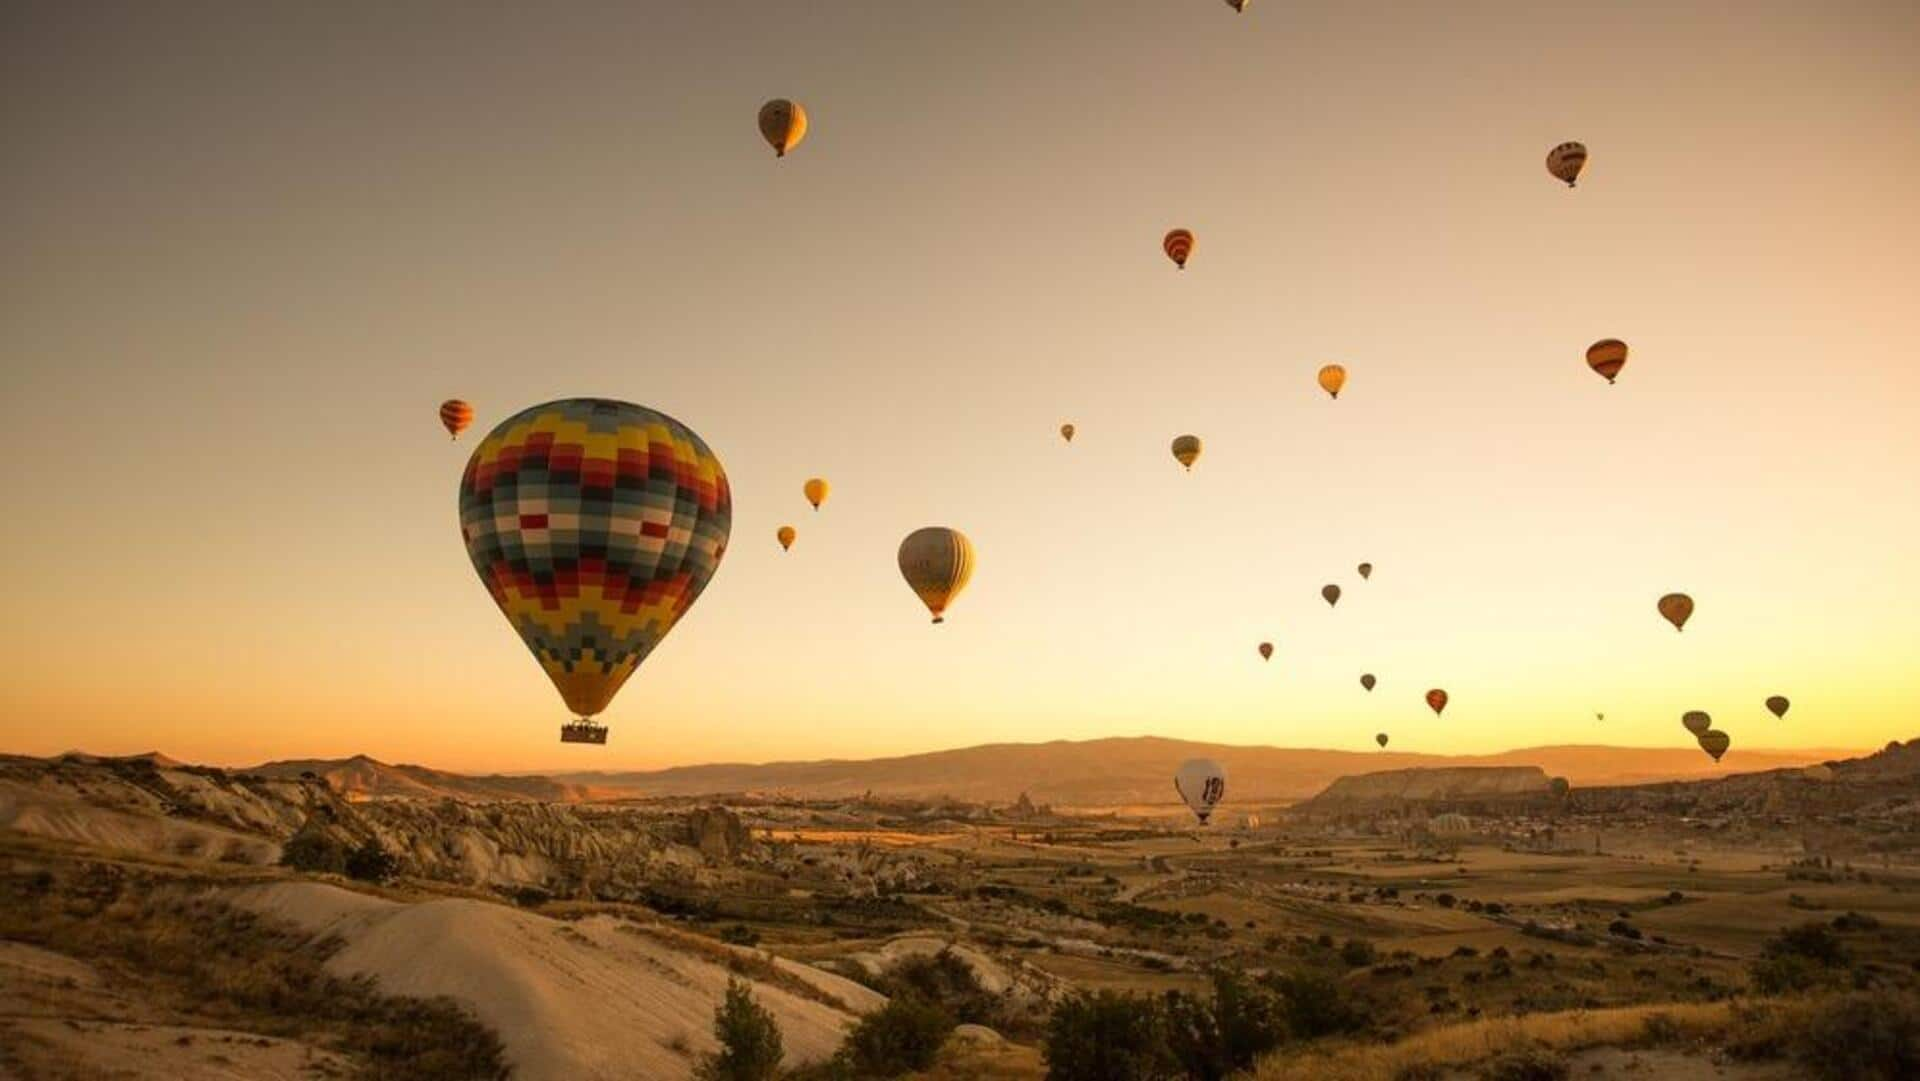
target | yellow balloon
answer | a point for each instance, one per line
(816, 491)
(1332, 378)
(1186, 450)
(783, 124)
(937, 563)
(786, 535)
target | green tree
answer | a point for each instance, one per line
(1107, 1036)
(750, 1046)
(904, 1036)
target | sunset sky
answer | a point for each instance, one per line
(249, 249)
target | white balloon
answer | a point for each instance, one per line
(1202, 782)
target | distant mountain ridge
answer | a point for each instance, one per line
(363, 778)
(1138, 770)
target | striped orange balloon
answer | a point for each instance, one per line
(1565, 162)
(1607, 356)
(1178, 246)
(455, 415)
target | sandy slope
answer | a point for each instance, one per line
(50, 812)
(595, 998)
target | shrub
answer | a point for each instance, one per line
(900, 1038)
(1864, 1037)
(1213, 1040)
(1107, 1036)
(1358, 953)
(371, 862)
(750, 1045)
(315, 853)
(1315, 1004)
(1854, 921)
(739, 934)
(1787, 975)
(1812, 941)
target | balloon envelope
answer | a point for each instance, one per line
(1715, 742)
(1778, 705)
(1696, 721)
(1606, 357)
(1436, 700)
(1066, 432)
(785, 535)
(1178, 244)
(783, 124)
(1202, 783)
(1186, 450)
(1677, 608)
(595, 524)
(1332, 378)
(1330, 594)
(1565, 162)
(937, 563)
(455, 415)
(1367, 681)
(1366, 571)
(816, 491)
(1381, 739)
(1266, 651)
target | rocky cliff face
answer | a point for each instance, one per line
(1431, 789)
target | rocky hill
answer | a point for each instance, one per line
(1450, 786)
(364, 778)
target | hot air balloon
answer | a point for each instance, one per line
(1778, 705)
(1599, 716)
(1186, 450)
(816, 491)
(1366, 571)
(1239, 5)
(936, 562)
(1677, 608)
(783, 124)
(1367, 681)
(1066, 432)
(1696, 721)
(1565, 162)
(1332, 378)
(1178, 245)
(1607, 356)
(595, 524)
(1330, 594)
(455, 415)
(1381, 739)
(1436, 700)
(1266, 651)
(1202, 782)
(785, 535)
(1714, 742)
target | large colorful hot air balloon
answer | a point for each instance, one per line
(1381, 739)
(455, 415)
(1778, 705)
(1436, 700)
(1366, 571)
(1367, 681)
(1066, 432)
(1266, 651)
(1331, 594)
(1565, 162)
(816, 491)
(1677, 608)
(783, 124)
(595, 524)
(1178, 245)
(1202, 782)
(785, 536)
(1715, 742)
(936, 562)
(1607, 356)
(1696, 721)
(1332, 378)
(1186, 450)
